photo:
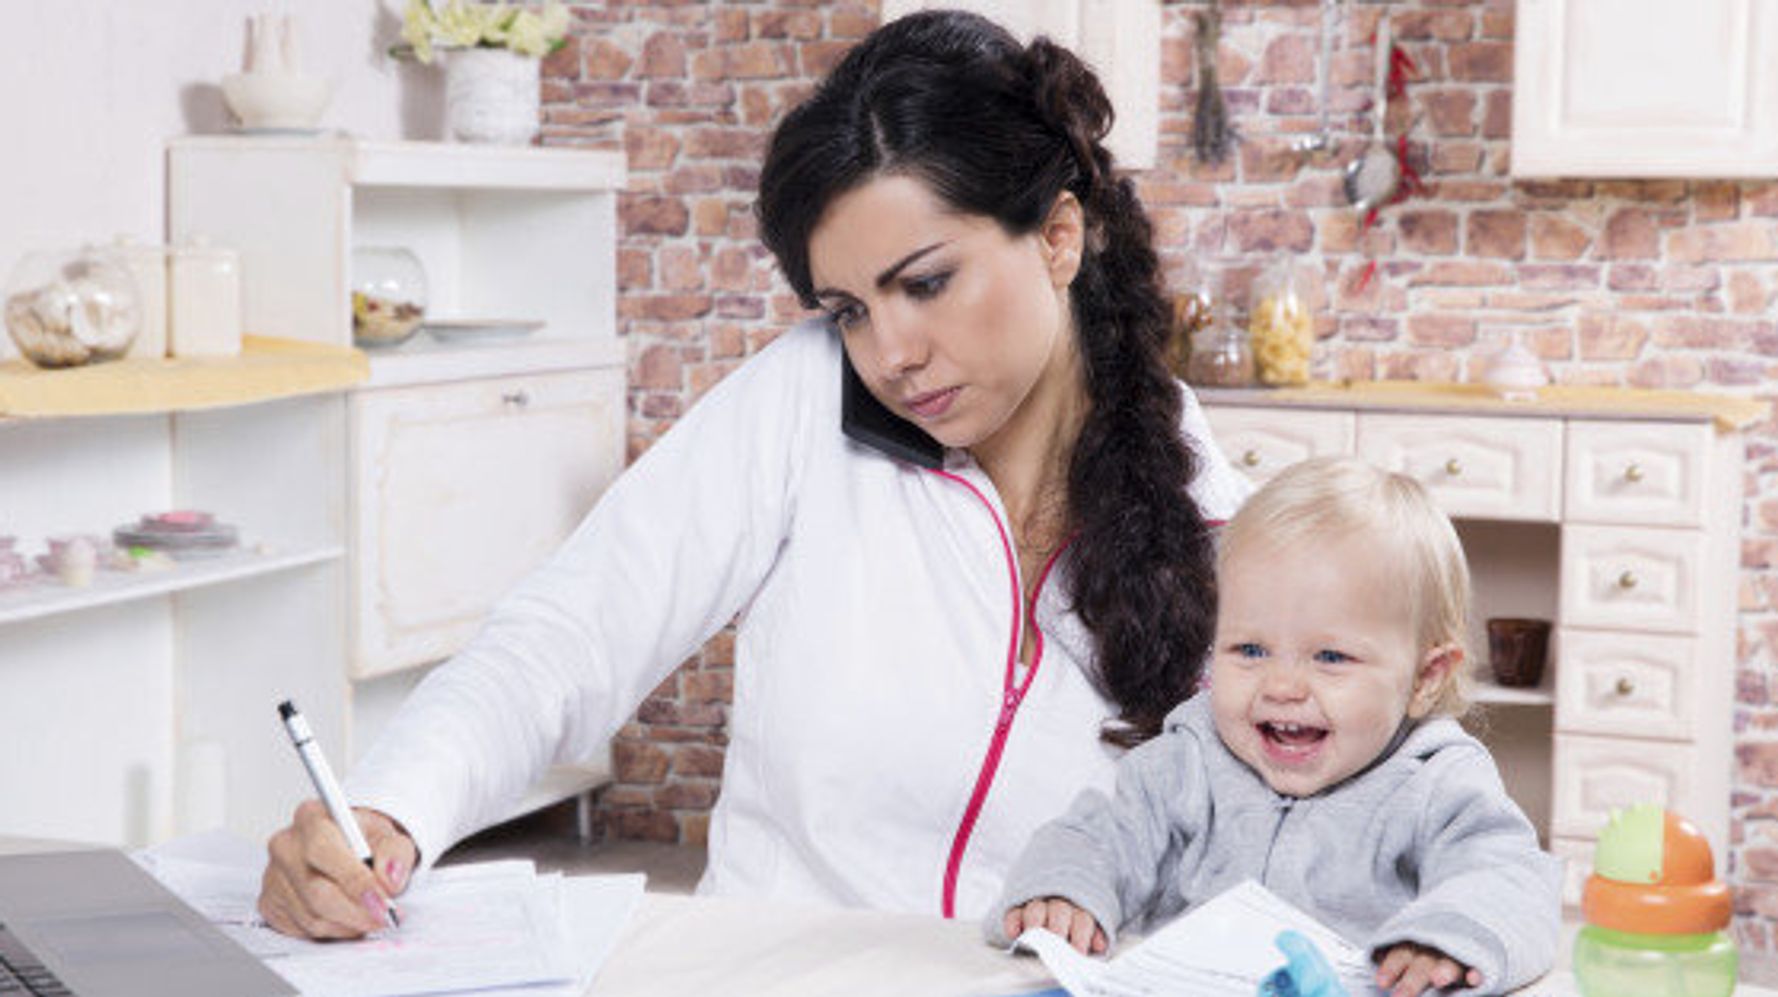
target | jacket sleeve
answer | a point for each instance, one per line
(1115, 857)
(1218, 488)
(1489, 897)
(668, 556)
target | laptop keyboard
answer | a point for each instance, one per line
(21, 974)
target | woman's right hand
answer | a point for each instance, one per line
(314, 887)
(1057, 915)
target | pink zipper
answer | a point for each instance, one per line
(1012, 696)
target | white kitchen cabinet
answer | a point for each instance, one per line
(143, 706)
(460, 490)
(1619, 524)
(456, 466)
(1645, 88)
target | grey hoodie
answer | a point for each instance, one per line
(1423, 846)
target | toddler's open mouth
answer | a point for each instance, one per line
(1289, 740)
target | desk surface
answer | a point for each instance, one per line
(678, 946)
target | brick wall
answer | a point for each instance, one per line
(1647, 283)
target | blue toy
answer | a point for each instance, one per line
(1305, 972)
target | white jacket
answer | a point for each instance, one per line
(881, 751)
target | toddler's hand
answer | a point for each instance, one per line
(1061, 917)
(1409, 969)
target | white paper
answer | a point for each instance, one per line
(1223, 946)
(488, 928)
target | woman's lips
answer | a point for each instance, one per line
(933, 404)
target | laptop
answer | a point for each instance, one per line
(92, 923)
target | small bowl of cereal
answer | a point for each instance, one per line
(388, 295)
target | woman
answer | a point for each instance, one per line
(963, 521)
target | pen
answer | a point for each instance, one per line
(329, 790)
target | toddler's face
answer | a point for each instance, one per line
(1315, 662)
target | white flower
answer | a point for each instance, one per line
(529, 32)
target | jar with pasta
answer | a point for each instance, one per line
(1280, 328)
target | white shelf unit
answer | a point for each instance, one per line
(464, 464)
(108, 694)
(1622, 529)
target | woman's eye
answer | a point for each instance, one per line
(1248, 650)
(926, 286)
(1328, 656)
(845, 316)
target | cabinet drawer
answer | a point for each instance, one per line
(1475, 468)
(1633, 578)
(1596, 775)
(1260, 442)
(1638, 685)
(459, 490)
(1637, 472)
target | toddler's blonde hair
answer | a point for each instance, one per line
(1327, 498)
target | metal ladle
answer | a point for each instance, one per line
(1321, 139)
(1372, 178)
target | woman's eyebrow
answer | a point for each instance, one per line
(888, 273)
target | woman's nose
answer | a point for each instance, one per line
(901, 346)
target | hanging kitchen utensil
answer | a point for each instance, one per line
(1320, 138)
(1212, 134)
(1372, 178)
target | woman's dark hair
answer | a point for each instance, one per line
(1000, 130)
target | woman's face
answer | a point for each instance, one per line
(951, 322)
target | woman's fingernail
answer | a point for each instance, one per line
(396, 871)
(373, 904)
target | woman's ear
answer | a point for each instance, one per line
(1063, 237)
(1437, 670)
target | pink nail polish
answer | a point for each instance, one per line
(373, 904)
(396, 871)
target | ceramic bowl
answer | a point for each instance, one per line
(277, 101)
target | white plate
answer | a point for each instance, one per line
(471, 329)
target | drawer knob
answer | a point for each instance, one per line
(516, 399)
(1625, 686)
(1453, 467)
(1627, 580)
(1633, 473)
(1250, 458)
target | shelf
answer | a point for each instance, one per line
(439, 164)
(1500, 695)
(423, 360)
(1728, 412)
(50, 598)
(267, 368)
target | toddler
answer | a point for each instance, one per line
(1324, 761)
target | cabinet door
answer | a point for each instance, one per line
(1633, 578)
(1260, 442)
(461, 489)
(1577, 864)
(1622, 683)
(1477, 468)
(1596, 775)
(1636, 472)
(1642, 88)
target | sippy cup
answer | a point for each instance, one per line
(1655, 912)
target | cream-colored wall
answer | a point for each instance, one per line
(91, 89)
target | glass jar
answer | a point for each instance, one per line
(1282, 330)
(388, 295)
(64, 309)
(1192, 311)
(1220, 357)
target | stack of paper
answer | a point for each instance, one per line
(484, 928)
(1224, 946)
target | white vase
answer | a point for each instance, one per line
(491, 95)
